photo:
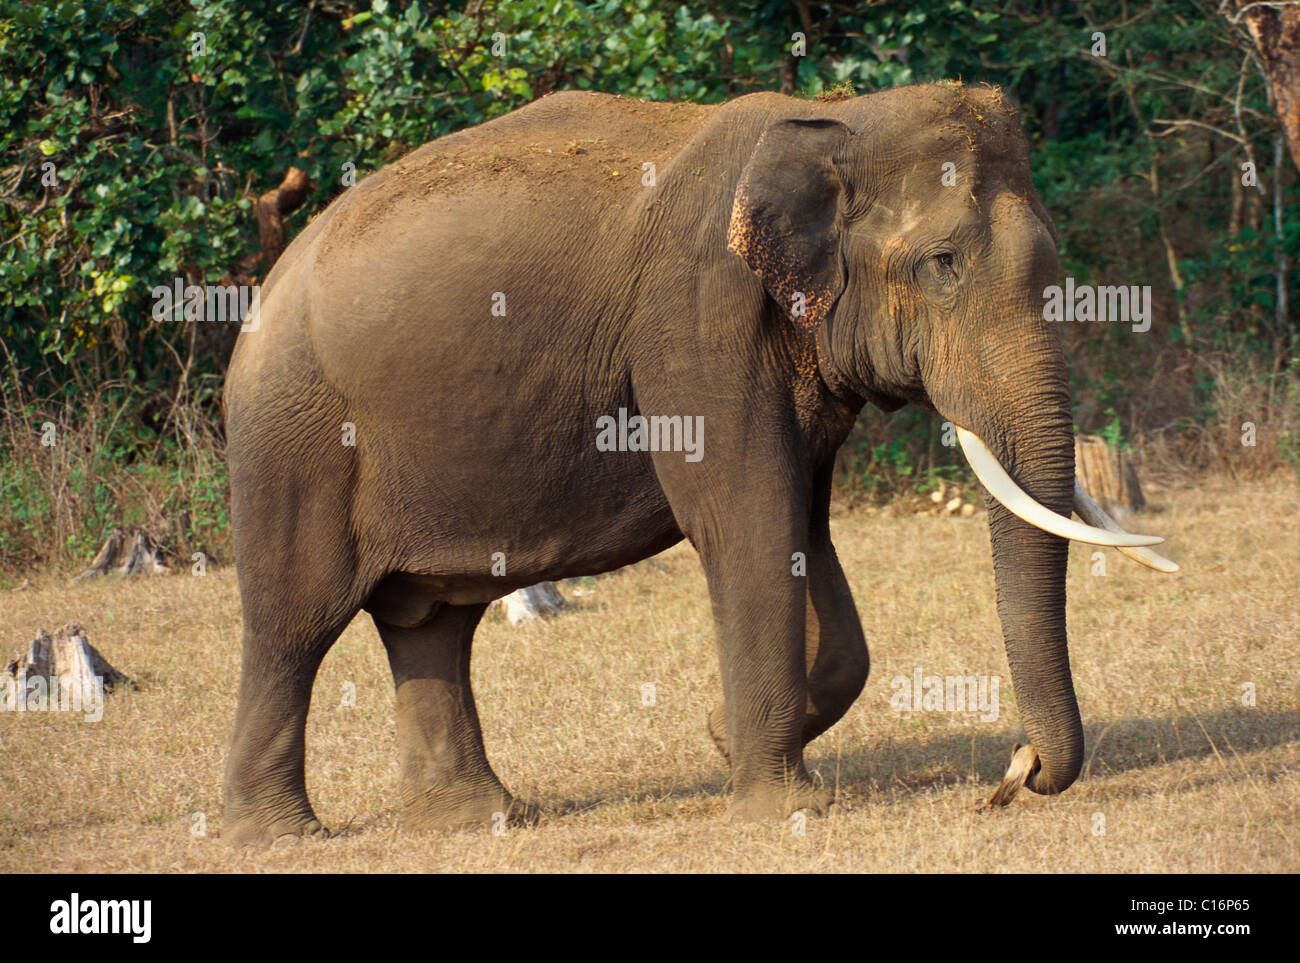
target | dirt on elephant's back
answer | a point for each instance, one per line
(595, 144)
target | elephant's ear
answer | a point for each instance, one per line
(784, 216)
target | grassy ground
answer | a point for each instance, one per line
(1179, 774)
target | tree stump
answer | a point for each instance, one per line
(534, 602)
(1109, 476)
(69, 658)
(129, 551)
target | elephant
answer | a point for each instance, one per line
(566, 339)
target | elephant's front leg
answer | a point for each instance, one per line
(834, 647)
(835, 650)
(758, 606)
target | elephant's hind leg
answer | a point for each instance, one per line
(266, 785)
(301, 581)
(447, 782)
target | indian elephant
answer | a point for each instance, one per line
(414, 417)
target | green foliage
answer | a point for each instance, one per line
(135, 136)
(1113, 432)
(889, 455)
(73, 471)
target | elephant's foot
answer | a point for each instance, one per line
(260, 833)
(769, 803)
(447, 810)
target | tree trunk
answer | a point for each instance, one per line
(1110, 476)
(1276, 32)
(273, 207)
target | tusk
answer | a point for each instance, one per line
(1094, 514)
(1000, 485)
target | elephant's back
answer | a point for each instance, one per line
(567, 151)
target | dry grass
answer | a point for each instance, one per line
(1186, 777)
(1239, 392)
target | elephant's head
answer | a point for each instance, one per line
(902, 233)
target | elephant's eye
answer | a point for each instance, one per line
(937, 272)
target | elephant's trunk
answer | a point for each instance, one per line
(1029, 565)
(1009, 398)
(1031, 601)
(1031, 450)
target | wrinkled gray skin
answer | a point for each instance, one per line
(475, 433)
